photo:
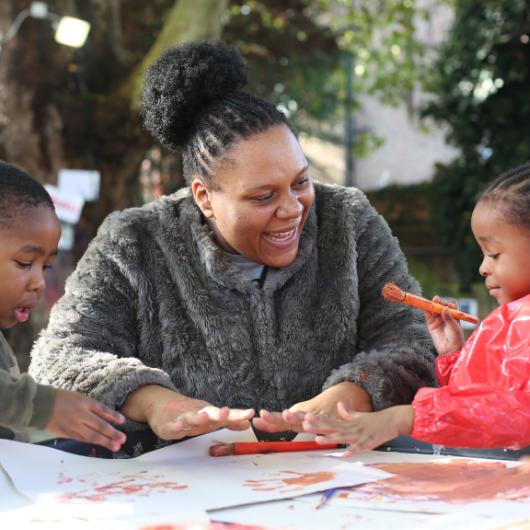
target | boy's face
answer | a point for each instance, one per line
(28, 247)
(506, 249)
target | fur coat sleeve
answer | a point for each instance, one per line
(394, 354)
(91, 343)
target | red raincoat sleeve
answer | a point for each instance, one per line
(486, 399)
(443, 367)
(475, 416)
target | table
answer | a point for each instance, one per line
(359, 508)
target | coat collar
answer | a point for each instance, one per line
(220, 268)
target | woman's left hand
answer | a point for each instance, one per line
(361, 430)
(325, 403)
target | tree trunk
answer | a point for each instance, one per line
(78, 109)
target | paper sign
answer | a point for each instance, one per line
(68, 206)
(80, 182)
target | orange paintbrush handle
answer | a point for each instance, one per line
(252, 448)
(433, 307)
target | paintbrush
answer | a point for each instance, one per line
(395, 294)
(253, 448)
(326, 496)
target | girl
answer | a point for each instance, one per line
(484, 398)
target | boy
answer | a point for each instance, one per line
(29, 235)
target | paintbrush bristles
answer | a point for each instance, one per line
(221, 449)
(393, 293)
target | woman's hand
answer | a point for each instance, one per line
(324, 403)
(361, 430)
(173, 416)
(81, 418)
(446, 332)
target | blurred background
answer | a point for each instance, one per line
(419, 103)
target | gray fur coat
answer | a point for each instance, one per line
(155, 301)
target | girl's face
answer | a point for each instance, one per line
(506, 249)
(27, 249)
(261, 198)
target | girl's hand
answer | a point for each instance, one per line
(81, 418)
(362, 430)
(446, 332)
(324, 403)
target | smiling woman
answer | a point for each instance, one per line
(254, 289)
(261, 218)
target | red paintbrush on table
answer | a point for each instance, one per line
(253, 448)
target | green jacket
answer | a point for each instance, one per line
(24, 403)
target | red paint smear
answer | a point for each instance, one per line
(205, 526)
(298, 482)
(64, 479)
(458, 481)
(128, 485)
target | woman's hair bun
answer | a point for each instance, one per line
(184, 81)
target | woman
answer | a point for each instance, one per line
(253, 289)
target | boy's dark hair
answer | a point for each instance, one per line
(511, 191)
(194, 99)
(19, 191)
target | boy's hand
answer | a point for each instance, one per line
(82, 418)
(362, 430)
(446, 332)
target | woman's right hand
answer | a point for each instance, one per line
(445, 330)
(173, 416)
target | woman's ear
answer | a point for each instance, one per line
(201, 195)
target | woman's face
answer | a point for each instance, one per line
(261, 198)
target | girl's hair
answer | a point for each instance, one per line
(195, 101)
(19, 191)
(511, 192)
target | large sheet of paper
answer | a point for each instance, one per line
(174, 484)
(302, 513)
(424, 492)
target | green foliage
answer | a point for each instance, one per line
(295, 51)
(481, 82)
(292, 60)
(431, 282)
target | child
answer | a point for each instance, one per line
(29, 235)
(484, 398)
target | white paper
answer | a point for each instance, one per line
(301, 513)
(68, 205)
(96, 489)
(80, 182)
(179, 481)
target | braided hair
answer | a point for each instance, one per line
(18, 192)
(511, 192)
(195, 101)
